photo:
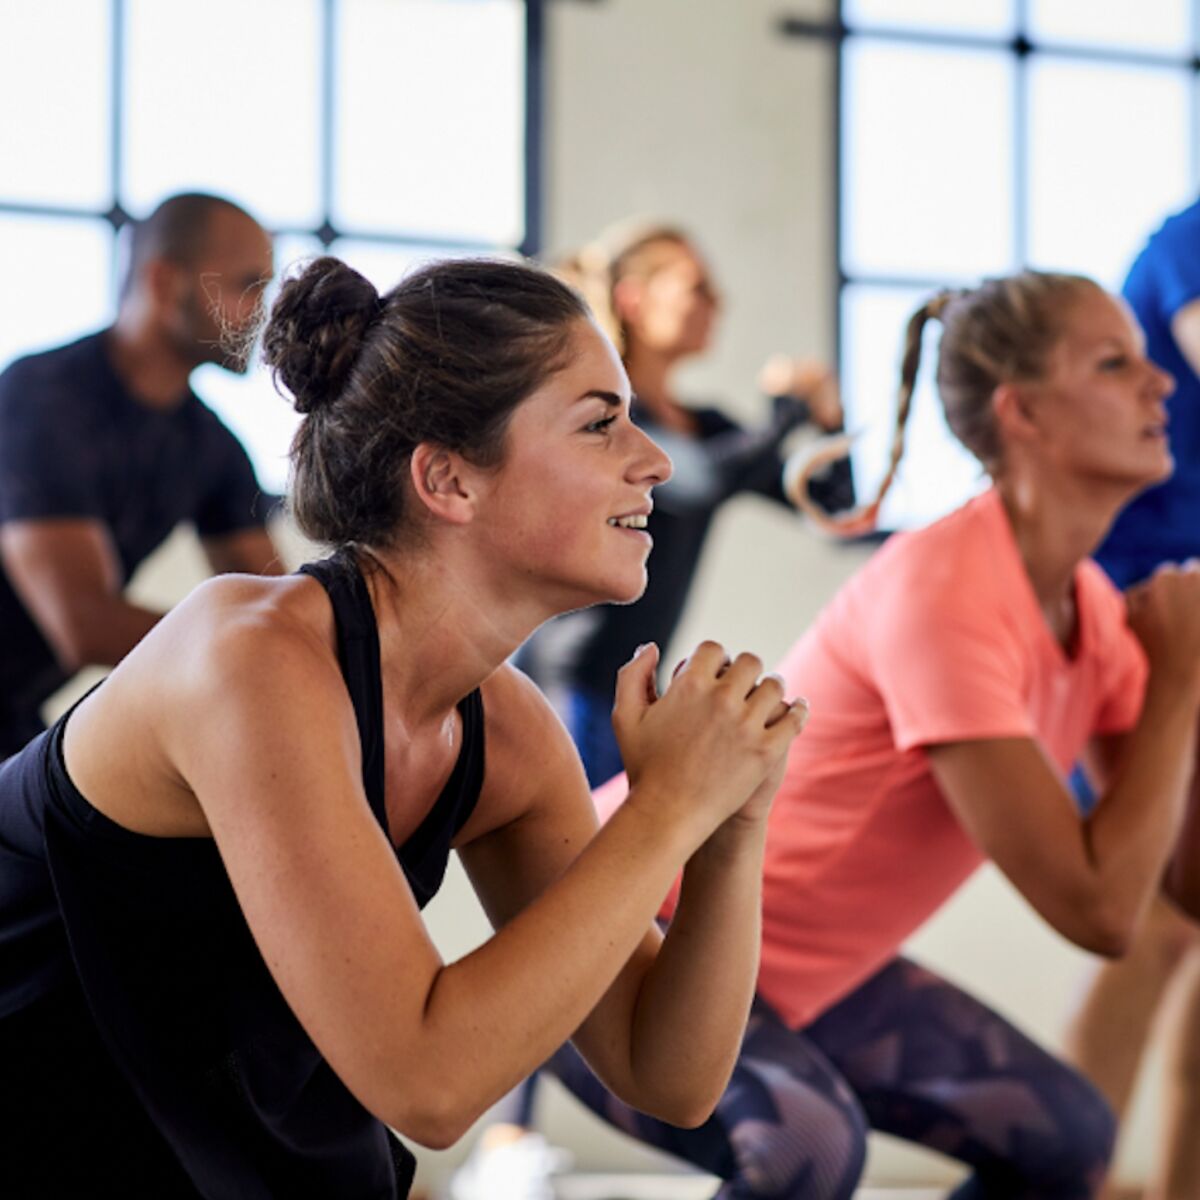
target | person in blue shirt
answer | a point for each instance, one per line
(1116, 1016)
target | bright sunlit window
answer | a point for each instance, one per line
(386, 131)
(972, 145)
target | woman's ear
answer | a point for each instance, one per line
(441, 480)
(1014, 413)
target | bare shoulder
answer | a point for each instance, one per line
(234, 632)
(529, 753)
(242, 661)
(520, 721)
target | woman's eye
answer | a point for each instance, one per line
(1115, 363)
(601, 425)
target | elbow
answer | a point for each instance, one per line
(684, 1111)
(689, 1116)
(437, 1121)
(1107, 943)
(1104, 931)
(432, 1133)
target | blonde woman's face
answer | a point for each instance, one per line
(1100, 409)
(673, 309)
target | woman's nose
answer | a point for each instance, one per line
(652, 462)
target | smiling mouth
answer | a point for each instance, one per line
(636, 521)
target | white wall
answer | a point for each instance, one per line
(697, 111)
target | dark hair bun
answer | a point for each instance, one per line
(316, 329)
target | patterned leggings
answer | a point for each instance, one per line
(908, 1054)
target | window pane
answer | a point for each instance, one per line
(1164, 26)
(385, 265)
(262, 418)
(927, 160)
(223, 97)
(54, 92)
(940, 16)
(1098, 182)
(65, 271)
(430, 118)
(936, 474)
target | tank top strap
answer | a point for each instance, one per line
(358, 654)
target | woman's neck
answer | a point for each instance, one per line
(442, 631)
(1056, 525)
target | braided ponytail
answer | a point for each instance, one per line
(864, 517)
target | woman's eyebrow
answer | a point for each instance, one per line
(609, 398)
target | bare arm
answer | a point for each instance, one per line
(424, 1045)
(66, 573)
(1093, 880)
(250, 551)
(666, 1033)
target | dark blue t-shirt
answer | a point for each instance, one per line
(75, 443)
(1163, 524)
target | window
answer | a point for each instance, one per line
(386, 130)
(978, 138)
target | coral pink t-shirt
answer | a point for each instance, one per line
(939, 638)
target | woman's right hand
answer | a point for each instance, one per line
(713, 738)
(1164, 614)
(807, 379)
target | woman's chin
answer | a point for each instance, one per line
(628, 592)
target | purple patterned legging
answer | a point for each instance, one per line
(908, 1054)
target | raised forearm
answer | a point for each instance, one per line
(692, 1008)
(97, 630)
(497, 1014)
(1138, 820)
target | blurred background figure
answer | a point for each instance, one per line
(105, 449)
(1125, 1000)
(654, 294)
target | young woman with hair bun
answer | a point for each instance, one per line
(214, 976)
(954, 681)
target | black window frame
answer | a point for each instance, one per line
(118, 214)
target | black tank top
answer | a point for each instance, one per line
(179, 991)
